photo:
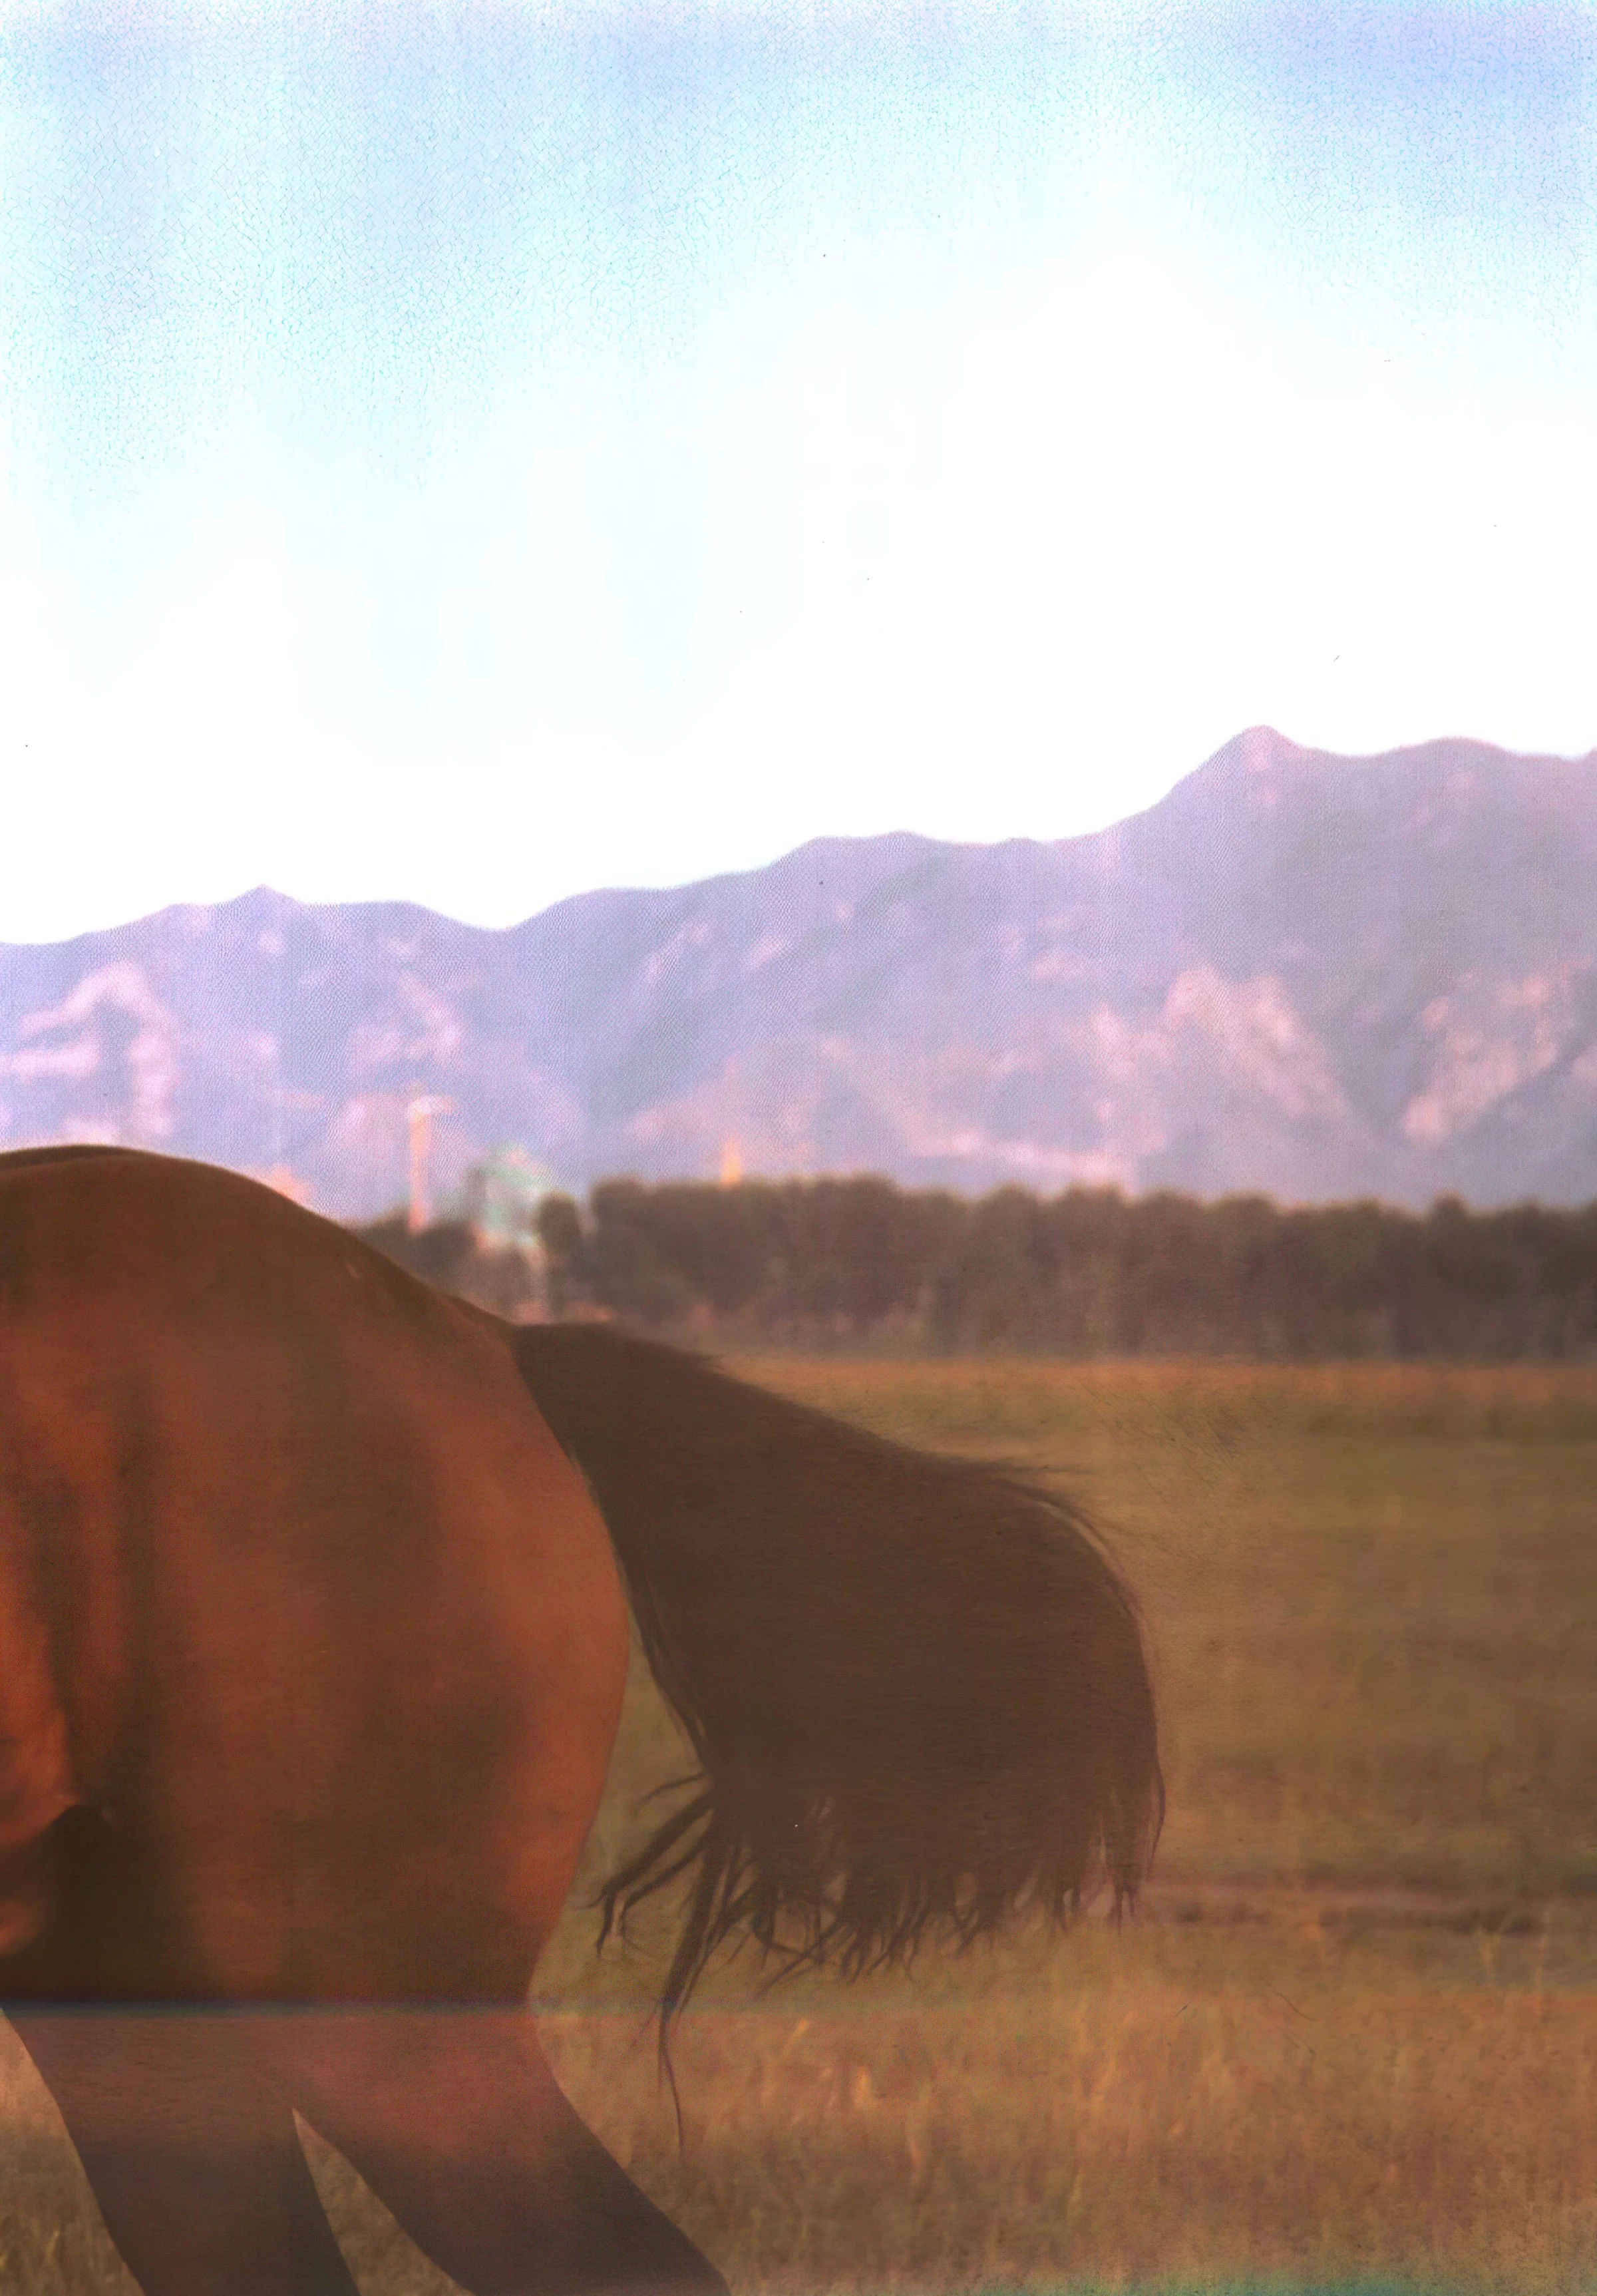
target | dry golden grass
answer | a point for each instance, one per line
(1372, 1595)
(1128, 2131)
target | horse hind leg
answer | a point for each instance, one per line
(191, 2156)
(455, 2120)
(194, 2161)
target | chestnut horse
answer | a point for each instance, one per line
(313, 1638)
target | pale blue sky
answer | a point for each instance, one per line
(476, 455)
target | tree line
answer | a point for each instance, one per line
(1088, 1273)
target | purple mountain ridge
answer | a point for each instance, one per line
(1311, 976)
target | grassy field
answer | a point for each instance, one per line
(1354, 2038)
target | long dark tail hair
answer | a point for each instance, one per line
(914, 1685)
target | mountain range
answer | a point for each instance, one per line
(1312, 976)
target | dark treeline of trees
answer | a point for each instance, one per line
(1088, 1273)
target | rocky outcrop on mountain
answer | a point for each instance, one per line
(1312, 976)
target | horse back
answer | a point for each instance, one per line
(295, 1588)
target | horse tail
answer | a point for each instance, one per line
(916, 1685)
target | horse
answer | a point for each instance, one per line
(314, 1591)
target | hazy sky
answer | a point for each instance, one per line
(476, 455)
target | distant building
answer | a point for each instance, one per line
(499, 1199)
(419, 1111)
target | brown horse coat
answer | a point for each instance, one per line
(295, 1586)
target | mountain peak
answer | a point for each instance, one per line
(1261, 749)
